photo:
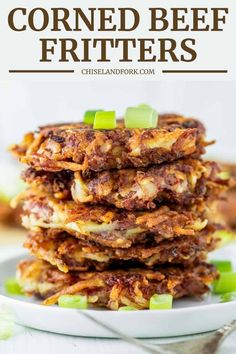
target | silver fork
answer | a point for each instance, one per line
(208, 344)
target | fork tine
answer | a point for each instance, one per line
(207, 344)
(225, 331)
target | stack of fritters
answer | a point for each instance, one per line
(118, 215)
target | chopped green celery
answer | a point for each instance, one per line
(224, 175)
(144, 105)
(12, 287)
(6, 324)
(105, 120)
(227, 297)
(127, 308)
(73, 301)
(6, 329)
(155, 118)
(89, 116)
(225, 237)
(161, 302)
(223, 266)
(225, 284)
(136, 117)
(155, 114)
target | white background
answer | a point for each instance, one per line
(24, 106)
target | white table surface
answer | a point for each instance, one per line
(28, 341)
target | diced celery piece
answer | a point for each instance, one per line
(89, 116)
(127, 308)
(223, 266)
(105, 120)
(225, 284)
(144, 105)
(227, 297)
(12, 287)
(136, 117)
(6, 329)
(73, 301)
(6, 324)
(224, 175)
(161, 302)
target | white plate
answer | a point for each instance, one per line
(189, 316)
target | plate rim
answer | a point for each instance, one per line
(185, 310)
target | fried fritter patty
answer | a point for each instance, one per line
(116, 288)
(184, 182)
(79, 147)
(108, 226)
(70, 253)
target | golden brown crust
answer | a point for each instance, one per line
(78, 147)
(116, 288)
(57, 184)
(183, 182)
(69, 253)
(108, 226)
